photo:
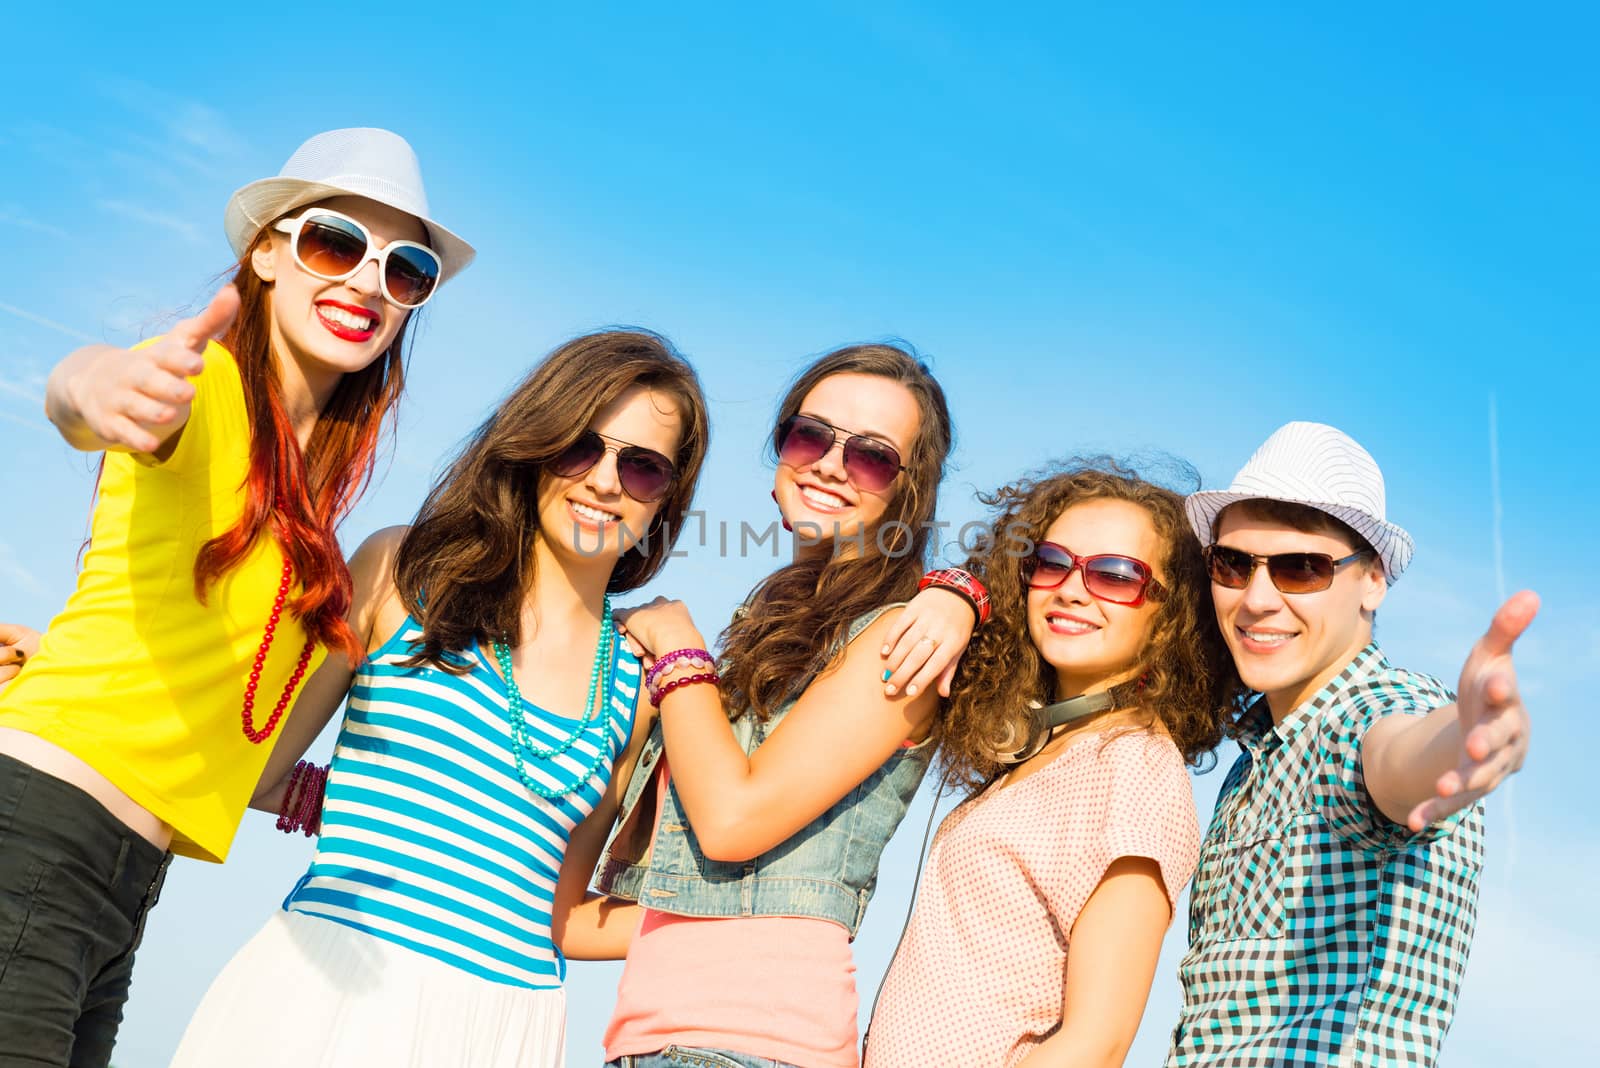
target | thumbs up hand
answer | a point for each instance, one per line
(103, 397)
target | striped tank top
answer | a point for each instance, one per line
(429, 839)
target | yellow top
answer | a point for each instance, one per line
(136, 676)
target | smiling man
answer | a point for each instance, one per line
(1334, 905)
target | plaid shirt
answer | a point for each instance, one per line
(1319, 931)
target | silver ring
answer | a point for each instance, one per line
(926, 641)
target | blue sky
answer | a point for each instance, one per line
(1109, 231)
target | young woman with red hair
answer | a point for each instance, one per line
(213, 582)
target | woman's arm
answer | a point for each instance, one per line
(1111, 962)
(589, 926)
(375, 611)
(842, 729)
(102, 397)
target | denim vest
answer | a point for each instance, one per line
(827, 870)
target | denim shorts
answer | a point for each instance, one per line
(684, 1057)
(75, 886)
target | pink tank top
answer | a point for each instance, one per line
(779, 987)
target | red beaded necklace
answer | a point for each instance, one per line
(250, 731)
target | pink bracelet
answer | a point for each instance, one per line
(287, 803)
(311, 802)
(301, 809)
(695, 658)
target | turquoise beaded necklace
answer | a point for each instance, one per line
(521, 736)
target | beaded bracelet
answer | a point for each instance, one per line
(301, 809)
(695, 658)
(289, 809)
(311, 816)
(962, 583)
(288, 796)
(687, 680)
(311, 797)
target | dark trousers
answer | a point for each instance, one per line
(75, 885)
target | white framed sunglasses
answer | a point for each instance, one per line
(333, 246)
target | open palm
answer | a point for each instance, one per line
(1493, 721)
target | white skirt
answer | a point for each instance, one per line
(312, 993)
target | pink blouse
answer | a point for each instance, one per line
(780, 987)
(980, 975)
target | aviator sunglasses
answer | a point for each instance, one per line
(870, 464)
(644, 473)
(1290, 572)
(1108, 577)
(333, 247)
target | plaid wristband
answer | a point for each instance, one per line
(960, 582)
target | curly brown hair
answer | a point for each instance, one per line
(1188, 683)
(801, 610)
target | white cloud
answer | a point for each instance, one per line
(13, 573)
(49, 324)
(1528, 996)
(69, 152)
(33, 396)
(191, 133)
(29, 390)
(173, 224)
(11, 215)
(32, 424)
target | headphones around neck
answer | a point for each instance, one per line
(1049, 717)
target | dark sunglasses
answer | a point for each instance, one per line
(1290, 572)
(1109, 577)
(870, 464)
(644, 473)
(334, 247)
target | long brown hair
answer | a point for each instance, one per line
(1187, 683)
(799, 611)
(300, 496)
(467, 562)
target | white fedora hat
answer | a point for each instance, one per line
(362, 162)
(1316, 465)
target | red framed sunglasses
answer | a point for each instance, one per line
(1109, 577)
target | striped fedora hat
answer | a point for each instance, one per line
(1316, 465)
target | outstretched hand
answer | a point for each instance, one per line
(137, 399)
(1493, 721)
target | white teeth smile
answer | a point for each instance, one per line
(823, 499)
(1070, 626)
(1267, 637)
(347, 318)
(594, 514)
